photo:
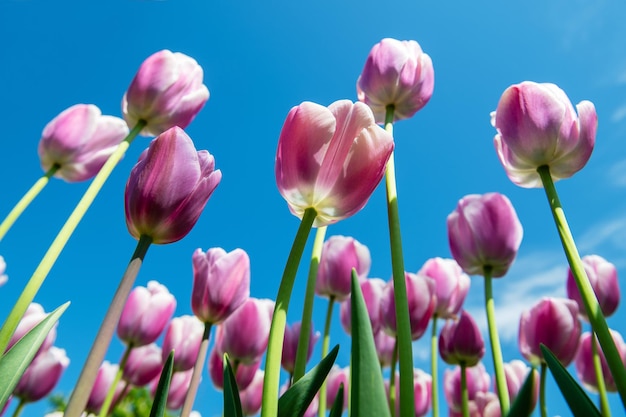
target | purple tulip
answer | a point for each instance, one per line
(451, 285)
(422, 386)
(33, 316)
(169, 187)
(584, 362)
(396, 73)
(516, 372)
(252, 396)
(221, 283)
(179, 385)
(460, 342)
(602, 275)
(538, 126)
(167, 91)
(553, 322)
(244, 375)
(385, 345)
(144, 363)
(3, 268)
(484, 404)
(335, 378)
(478, 380)
(290, 346)
(104, 380)
(79, 141)
(183, 336)
(146, 313)
(484, 231)
(372, 289)
(330, 159)
(42, 375)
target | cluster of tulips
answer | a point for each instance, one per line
(329, 161)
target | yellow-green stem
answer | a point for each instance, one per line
(403, 325)
(596, 318)
(464, 392)
(321, 410)
(597, 365)
(433, 368)
(393, 388)
(108, 400)
(269, 406)
(197, 372)
(543, 407)
(19, 408)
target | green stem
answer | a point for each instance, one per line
(543, 407)
(307, 309)
(40, 274)
(321, 411)
(108, 400)
(19, 408)
(597, 365)
(25, 201)
(464, 392)
(596, 318)
(403, 325)
(393, 389)
(269, 407)
(88, 374)
(197, 372)
(496, 350)
(433, 368)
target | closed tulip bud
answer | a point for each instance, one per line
(422, 387)
(451, 285)
(42, 375)
(33, 316)
(104, 380)
(145, 315)
(179, 385)
(584, 362)
(339, 255)
(167, 91)
(336, 377)
(244, 374)
(602, 276)
(290, 346)
(385, 345)
(538, 126)
(478, 380)
(516, 372)
(252, 396)
(144, 363)
(485, 404)
(183, 336)
(169, 187)
(553, 322)
(330, 159)
(372, 290)
(221, 283)
(484, 232)
(396, 73)
(460, 342)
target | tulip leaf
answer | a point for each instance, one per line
(367, 390)
(296, 400)
(14, 362)
(577, 400)
(232, 403)
(523, 405)
(163, 388)
(337, 409)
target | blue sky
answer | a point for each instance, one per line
(262, 58)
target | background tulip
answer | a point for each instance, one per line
(516, 372)
(104, 380)
(252, 396)
(290, 345)
(3, 267)
(42, 375)
(179, 385)
(335, 378)
(460, 342)
(244, 374)
(422, 383)
(584, 362)
(385, 346)
(372, 290)
(33, 316)
(478, 380)
(183, 336)
(144, 363)
(451, 285)
(330, 159)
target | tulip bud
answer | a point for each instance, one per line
(183, 336)
(515, 373)
(422, 386)
(243, 376)
(330, 159)
(372, 290)
(144, 363)
(385, 345)
(460, 342)
(104, 380)
(336, 377)
(478, 380)
(179, 385)
(290, 345)
(33, 316)
(167, 91)
(252, 396)
(451, 285)
(396, 73)
(42, 375)
(169, 187)
(584, 362)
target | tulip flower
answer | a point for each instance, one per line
(460, 342)
(252, 395)
(42, 375)
(104, 380)
(3, 268)
(144, 363)
(79, 141)
(244, 375)
(484, 231)
(372, 289)
(399, 74)
(33, 316)
(478, 380)
(516, 373)
(221, 283)
(290, 346)
(167, 91)
(330, 159)
(538, 126)
(179, 385)
(451, 285)
(584, 362)
(169, 187)
(336, 377)
(602, 275)
(183, 336)
(422, 383)
(334, 275)
(385, 346)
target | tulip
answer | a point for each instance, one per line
(330, 159)
(179, 385)
(422, 383)
(484, 231)
(169, 187)
(3, 268)
(104, 380)
(538, 126)
(144, 363)
(385, 345)
(602, 275)
(183, 336)
(584, 362)
(460, 342)
(167, 91)
(221, 283)
(334, 275)
(372, 289)
(478, 380)
(485, 404)
(42, 375)
(290, 346)
(451, 285)
(553, 322)
(244, 375)
(516, 372)
(33, 316)
(252, 396)
(79, 141)
(145, 315)
(399, 74)
(336, 377)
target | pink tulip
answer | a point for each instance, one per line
(422, 386)
(42, 375)
(146, 313)
(290, 346)
(244, 375)
(451, 285)
(179, 385)
(339, 255)
(385, 345)
(553, 322)
(169, 187)
(183, 336)
(602, 275)
(79, 141)
(478, 380)
(396, 73)
(516, 372)
(485, 404)
(484, 231)
(3, 268)
(584, 362)
(538, 126)
(167, 91)
(252, 395)
(144, 363)
(330, 159)
(460, 342)
(335, 378)
(372, 289)
(104, 380)
(221, 283)
(33, 316)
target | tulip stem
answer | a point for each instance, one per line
(496, 350)
(108, 400)
(393, 389)
(433, 368)
(464, 392)
(197, 372)
(25, 201)
(597, 365)
(82, 389)
(40, 274)
(321, 411)
(307, 309)
(543, 407)
(269, 405)
(19, 408)
(403, 325)
(597, 320)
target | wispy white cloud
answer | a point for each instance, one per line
(606, 236)
(619, 114)
(616, 175)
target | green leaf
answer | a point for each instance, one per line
(367, 390)
(338, 404)
(232, 403)
(295, 401)
(579, 403)
(523, 405)
(160, 396)
(14, 362)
